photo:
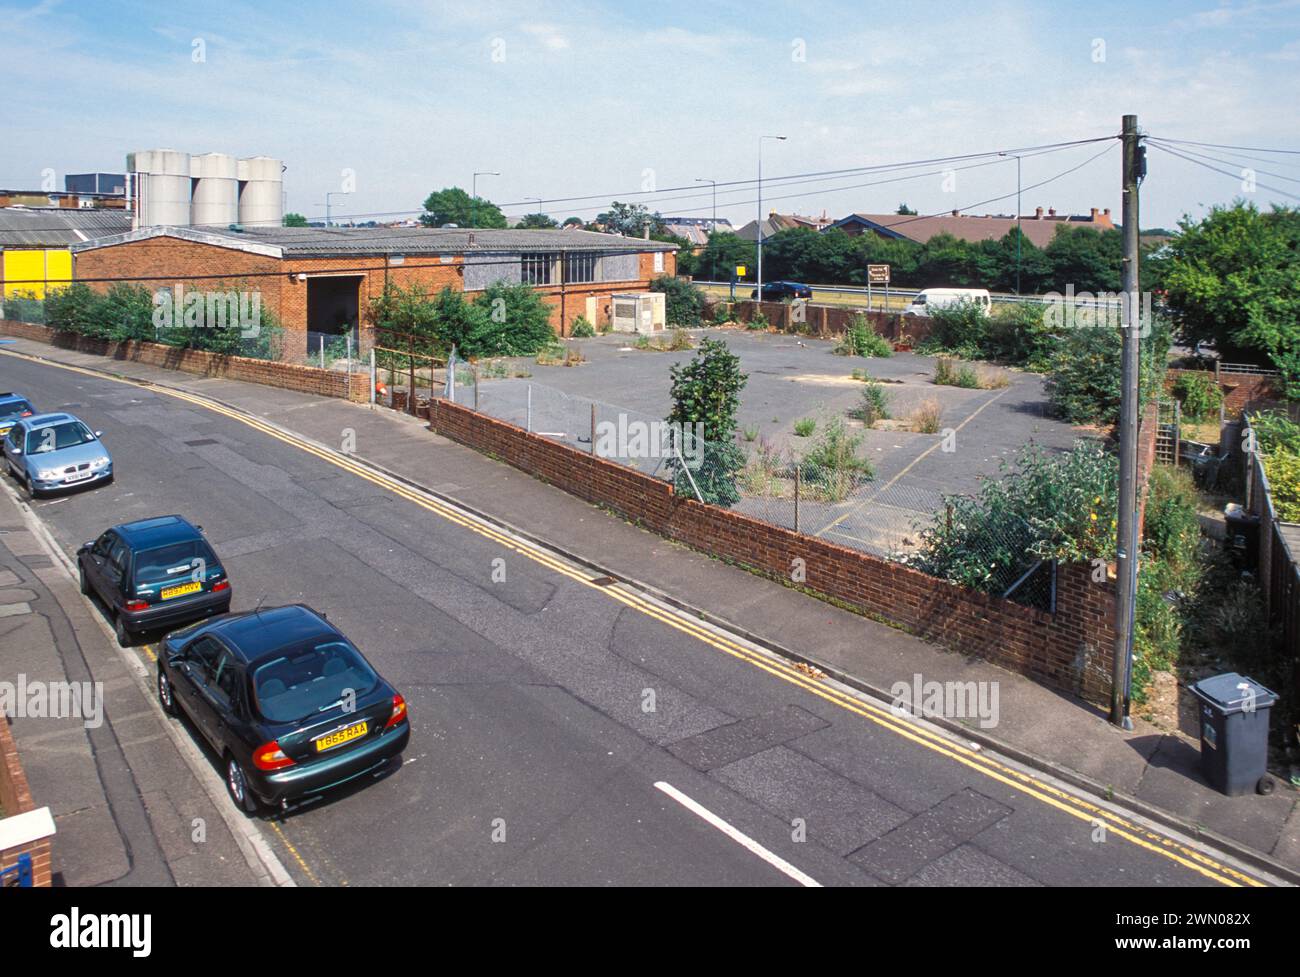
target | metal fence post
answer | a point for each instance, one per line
(798, 479)
(322, 352)
(528, 411)
(374, 376)
(476, 386)
(593, 427)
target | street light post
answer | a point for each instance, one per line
(473, 193)
(332, 193)
(713, 224)
(760, 212)
(1017, 219)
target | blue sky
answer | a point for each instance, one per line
(586, 98)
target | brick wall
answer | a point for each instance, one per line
(831, 321)
(16, 798)
(1240, 390)
(306, 379)
(1069, 650)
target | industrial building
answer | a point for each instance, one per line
(35, 242)
(212, 190)
(321, 280)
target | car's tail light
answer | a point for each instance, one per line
(269, 756)
(220, 585)
(399, 712)
(136, 605)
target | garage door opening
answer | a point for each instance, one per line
(333, 314)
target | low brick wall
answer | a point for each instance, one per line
(831, 321)
(1241, 391)
(306, 379)
(1070, 650)
(16, 798)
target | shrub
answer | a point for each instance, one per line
(861, 340)
(945, 374)
(582, 328)
(960, 325)
(967, 377)
(1199, 395)
(1282, 468)
(804, 427)
(683, 302)
(517, 322)
(681, 341)
(1171, 528)
(1018, 335)
(1275, 431)
(925, 417)
(832, 466)
(874, 405)
(706, 391)
(722, 313)
(758, 321)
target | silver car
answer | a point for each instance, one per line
(56, 451)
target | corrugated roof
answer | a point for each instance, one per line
(54, 227)
(327, 241)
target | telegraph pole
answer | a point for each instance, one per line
(1126, 564)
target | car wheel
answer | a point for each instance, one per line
(237, 785)
(119, 629)
(81, 580)
(166, 694)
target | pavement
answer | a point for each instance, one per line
(529, 693)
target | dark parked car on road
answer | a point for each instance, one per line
(154, 573)
(12, 407)
(287, 702)
(780, 291)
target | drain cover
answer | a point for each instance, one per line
(199, 443)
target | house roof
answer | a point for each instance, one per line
(780, 222)
(316, 242)
(1040, 229)
(55, 227)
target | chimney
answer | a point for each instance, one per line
(1038, 213)
(956, 213)
(1094, 215)
(645, 232)
(471, 239)
(1051, 211)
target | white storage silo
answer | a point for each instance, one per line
(162, 178)
(215, 200)
(260, 185)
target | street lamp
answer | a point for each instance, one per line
(713, 224)
(760, 212)
(473, 203)
(1017, 219)
(332, 193)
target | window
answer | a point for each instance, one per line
(659, 261)
(581, 266)
(535, 269)
(56, 437)
(311, 678)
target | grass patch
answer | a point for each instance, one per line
(804, 427)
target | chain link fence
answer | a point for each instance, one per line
(826, 491)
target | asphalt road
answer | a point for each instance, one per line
(561, 731)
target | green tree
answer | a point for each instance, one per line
(515, 321)
(572, 222)
(537, 220)
(630, 219)
(683, 302)
(453, 205)
(904, 210)
(1233, 279)
(706, 391)
(294, 220)
(718, 259)
(408, 311)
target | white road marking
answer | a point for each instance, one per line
(738, 836)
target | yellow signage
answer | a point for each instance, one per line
(740, 271)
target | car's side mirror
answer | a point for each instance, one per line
(99, 434)
(18, 451)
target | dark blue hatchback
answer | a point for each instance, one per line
(154, 573)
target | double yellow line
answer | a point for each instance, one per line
(1026, 783)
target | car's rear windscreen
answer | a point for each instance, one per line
(183, 562)
(15, 408)
(311, 679)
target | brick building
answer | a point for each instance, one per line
(321, 280)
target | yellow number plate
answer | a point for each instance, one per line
(181, 590)
(341, 736)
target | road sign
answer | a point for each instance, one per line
(740, 271)
(878, 274)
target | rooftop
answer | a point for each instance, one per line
(57, 227)
(289, 242)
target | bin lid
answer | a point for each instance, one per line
(1230, 692)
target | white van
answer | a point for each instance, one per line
(943, 298)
